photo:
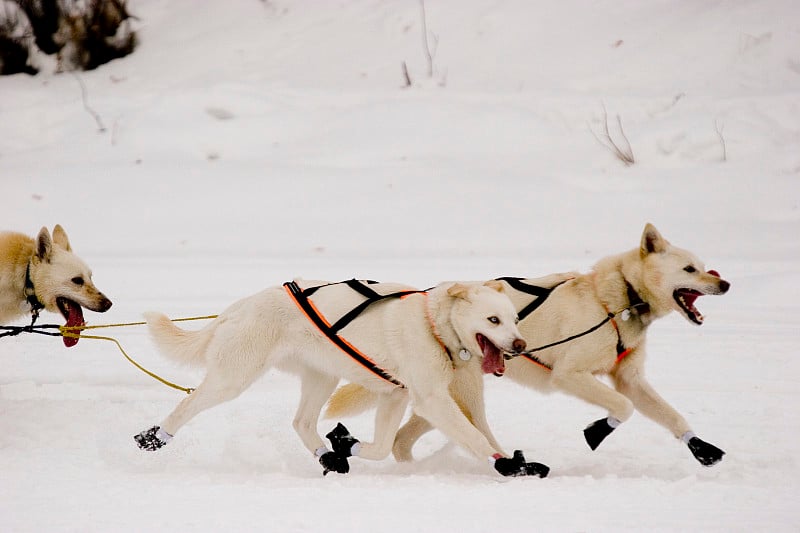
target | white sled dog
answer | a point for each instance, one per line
(397, 342)
(608, 312)
(44, 273)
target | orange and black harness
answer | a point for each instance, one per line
(301, 298)
(636, 305)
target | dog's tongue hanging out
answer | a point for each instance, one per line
(74, 315)
(493, 362)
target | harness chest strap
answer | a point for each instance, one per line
(635, 305)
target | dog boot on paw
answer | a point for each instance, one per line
(342, 441)
(706, 453)
(598, 430)
(152, 439)
(516, 466)
(344, 445)
(334, 462)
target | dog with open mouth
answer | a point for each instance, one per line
(404, 345)
(45, 274)
(615, 304)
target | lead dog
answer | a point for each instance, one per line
(411, 341)
(44, 273)
(641, 285)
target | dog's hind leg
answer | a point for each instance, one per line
(388, 416)
(218, 386)
(408, 435)
(315, 389)
(211, 392)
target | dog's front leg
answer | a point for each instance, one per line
(467, 390)
(631, 382)
(442, 411)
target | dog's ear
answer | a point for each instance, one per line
(496, 285)
(60, 238)
(44, 245)
(652, 241)
(458, 290)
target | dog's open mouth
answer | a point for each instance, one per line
(74, 315)
(685, 299)
(493, 362)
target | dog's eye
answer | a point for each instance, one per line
(77, 280)
(690, 269)
(493, 320)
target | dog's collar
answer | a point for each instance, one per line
(635, 302)
(636, 307)
(30, 294)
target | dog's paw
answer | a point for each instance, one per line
(334, 462)
(597, 431)
(516, 466)
(706, 453)
(341, 440)
(152, 439)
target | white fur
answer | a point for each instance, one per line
(268, 330)
(655, 270)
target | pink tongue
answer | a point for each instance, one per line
(714, 273)
(492, 359)
(74, 319)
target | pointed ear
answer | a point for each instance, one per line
(458, 290)
(60, 238)
(652, 241)
(496, 285)
(44, 246)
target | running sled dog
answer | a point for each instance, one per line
(399, 343)
(44, 273)
(608, 311)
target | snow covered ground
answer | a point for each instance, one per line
(250, 142)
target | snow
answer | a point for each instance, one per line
(246, 143)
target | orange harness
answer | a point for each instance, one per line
(301, 298)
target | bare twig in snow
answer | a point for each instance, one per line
(406, 76)
(84, 96)
(624, 153)
(719, 129)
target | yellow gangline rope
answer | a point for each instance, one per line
(73, 332)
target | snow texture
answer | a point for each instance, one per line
(248, 142)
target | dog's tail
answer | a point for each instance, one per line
(180, 345)
(350, 400)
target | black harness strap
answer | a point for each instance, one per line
(635, 305)
(372, 297)
(300, 297)
(541, 294)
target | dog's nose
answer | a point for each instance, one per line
(724, 286)
(105, 305)
(519, 345)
